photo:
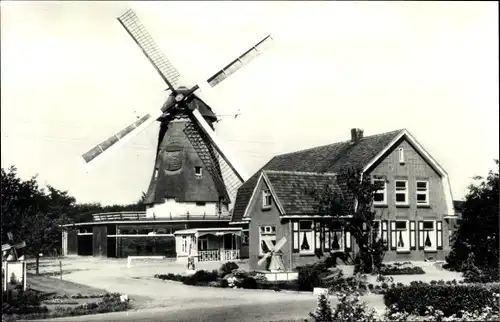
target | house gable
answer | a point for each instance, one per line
(256, 199)
(420, 164)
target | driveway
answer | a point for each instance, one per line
(157, 300)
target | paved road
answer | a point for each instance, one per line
(275, 311)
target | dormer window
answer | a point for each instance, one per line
(401, 155)
(266, 199)
(198, 171)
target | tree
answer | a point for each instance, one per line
(478, 231)
(31, 213)
(357, 217)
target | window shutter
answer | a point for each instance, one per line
(413, 235)
(439, 234)
(385, 234)
(295, 236)
(393, 235)
(347, 241)
(421, 235)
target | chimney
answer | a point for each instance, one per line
(356, 135)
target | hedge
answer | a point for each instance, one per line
(450, 299)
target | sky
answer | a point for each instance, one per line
(71, 76)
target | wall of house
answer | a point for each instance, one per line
(414, 168)
(265, 217)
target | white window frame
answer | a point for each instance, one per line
(425, 193)
(266, 233)
(432, 235)
(310, 238)
(406, 237)
(266, 193)
(200, 174)
(401, 154)
(157, 172)
(383, 191)
(398, 192)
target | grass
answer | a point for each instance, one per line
(50, 298)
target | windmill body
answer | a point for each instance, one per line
(187, 174)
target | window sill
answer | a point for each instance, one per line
(266, 208)
(430, 251)
(423, 206)
(380, 205)
(403, 251)
(307, 254)
(402, 206)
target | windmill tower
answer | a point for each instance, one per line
(193, 173)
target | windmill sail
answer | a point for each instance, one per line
(121, 136)
(239, 62)
(143, 39)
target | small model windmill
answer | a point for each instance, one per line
(276, 262)
(11, 250)
(187, 143)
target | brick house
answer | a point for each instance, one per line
(414, 208)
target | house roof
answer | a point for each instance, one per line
(295, 190)
(331, 158)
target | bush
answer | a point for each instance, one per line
(323, 311)
(248, 282)
(239, 273)
(349, 308)
(171, 277)
(201, 277)
(416, 298)
(227, 268)
(310, 276)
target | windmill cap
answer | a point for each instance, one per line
(203, 108)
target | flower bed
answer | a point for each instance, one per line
(449, 299)
(405, 268)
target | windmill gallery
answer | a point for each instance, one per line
(200, 203)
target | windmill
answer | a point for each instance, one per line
(276, 262)
(187, 143)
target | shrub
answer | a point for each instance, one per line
(310, 276)
(416, 298)
(222, 282)
(248, 282)
(201, 277)
(348, 308)
(323, 311)
(171, 277)
(227, 268)
(239, 273)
